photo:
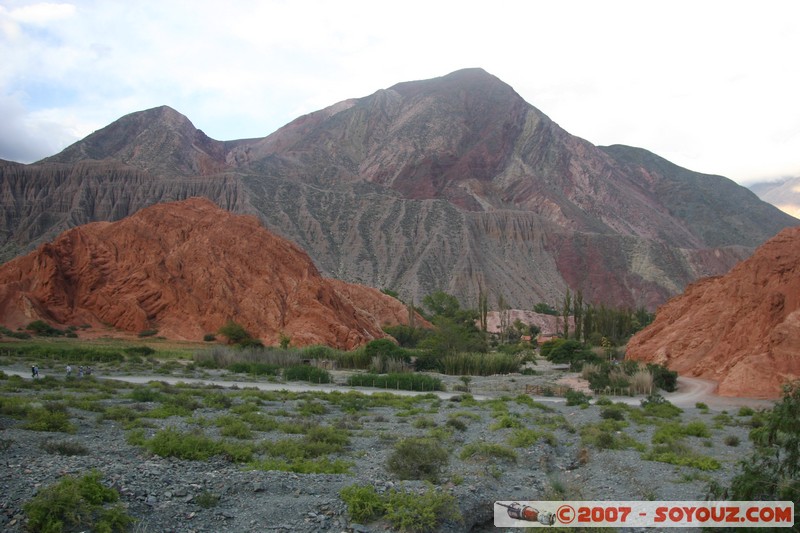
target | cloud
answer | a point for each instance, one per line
(708, 85)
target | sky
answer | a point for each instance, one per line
(713, 86)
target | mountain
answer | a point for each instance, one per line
(783, 194)
(185, 269)
(741, 329)
(454, 183)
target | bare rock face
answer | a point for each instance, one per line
(185, 268)
(741, 330)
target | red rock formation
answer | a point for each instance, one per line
(185, 268)
(741, 330)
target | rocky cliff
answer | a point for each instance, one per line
(454, 183)
(741, 330)
(185, 268)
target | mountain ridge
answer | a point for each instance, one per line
(454, 183)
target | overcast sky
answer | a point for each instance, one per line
(713, 86)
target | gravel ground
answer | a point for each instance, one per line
(163, 494)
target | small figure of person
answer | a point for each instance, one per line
(69, 371)
(80, 371)
(33, 371)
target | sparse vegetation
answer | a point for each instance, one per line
(73, 504)
(418, 458)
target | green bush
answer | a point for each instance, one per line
(418, 458)
(170, 442)
(576, 397)
(308, 373)
(746, 411)
(75, 504)
(420, 513)
(663, 377)
(363, 502)
(51, 417)
(731, 440)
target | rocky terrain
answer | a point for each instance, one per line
(741, 329)
(543, 450)
(454, 183)
(184, 269)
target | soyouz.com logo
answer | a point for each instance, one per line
(643, 514)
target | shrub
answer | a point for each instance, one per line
(148, 333)
(746, 411)
(702, 406)
(612, 413)
(576, 397)
(731, 440)
(64, 447)
(363, 503)
(209, 337)
(207, 499)
(75, 504)
(663, 377)
(170, 442)
(457, 424)
(418, 458)
(421, 513)
(52, 417)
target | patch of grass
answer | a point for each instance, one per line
(259, 421)
(746, 411)
(231, 426)
(524, 438)
(506, 421)
(608, 435)
(524, 399)
(75, 504)
(680, 456)
(418, 458)
(487, 451)
(311, 408)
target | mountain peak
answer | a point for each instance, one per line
(159, 137)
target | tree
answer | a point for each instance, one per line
(577, 312)
(483, 310)
(441, 303)
(235, 333)
(505, 318)
(566, 311)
